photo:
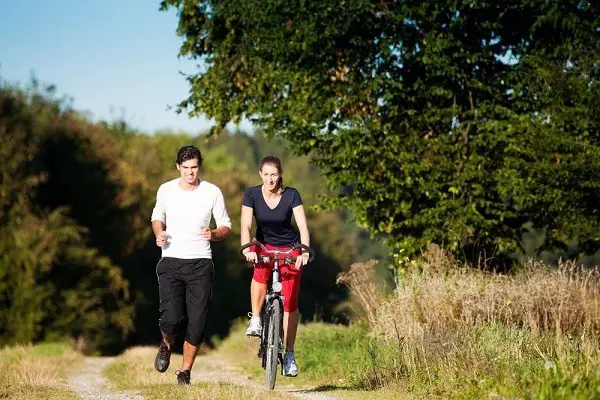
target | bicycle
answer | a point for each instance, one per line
(271, 316)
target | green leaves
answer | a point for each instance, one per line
(54, 282)
(456, 122)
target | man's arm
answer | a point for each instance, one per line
(160, 232)
(158, 227)
(158, 219)
(220, 233)
(221, 218)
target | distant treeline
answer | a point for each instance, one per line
(77, 255)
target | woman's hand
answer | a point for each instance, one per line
(250, 256)
(301, 260)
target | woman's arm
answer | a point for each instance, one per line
(246, 226)
(300, 218)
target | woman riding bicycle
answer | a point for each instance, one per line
(272, 205)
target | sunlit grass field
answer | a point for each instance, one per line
(487, 360)
(330, 358)
(454, 332)
(327, 356)
(135, 371)
(37, 372)
(451, 333)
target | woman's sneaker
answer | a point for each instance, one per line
(290, 368)
(254, 327)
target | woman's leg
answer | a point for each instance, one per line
(291, 287)
(290, 327)
(258, 291)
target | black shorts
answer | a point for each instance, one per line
(185, 289)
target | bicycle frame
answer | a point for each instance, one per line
(271, 297)
(273, 305)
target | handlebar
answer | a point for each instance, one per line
(277, 253)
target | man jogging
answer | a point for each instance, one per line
(180, 222)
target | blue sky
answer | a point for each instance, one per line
(116, 59)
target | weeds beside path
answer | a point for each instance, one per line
(38, 371)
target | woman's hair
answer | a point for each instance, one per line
(189, 153)
(276, 162)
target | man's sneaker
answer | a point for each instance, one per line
(254, 328)
(290, 368)
(163, 357)
(183, 377)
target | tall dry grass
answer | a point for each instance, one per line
(40, 371)
(562, 300)
(447, 327)
(359, 279)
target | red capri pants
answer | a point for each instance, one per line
(288, 274)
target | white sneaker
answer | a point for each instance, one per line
(254, 328)
(290, 368)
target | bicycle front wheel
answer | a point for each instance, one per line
(273, 342)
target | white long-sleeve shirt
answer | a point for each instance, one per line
(184, 213)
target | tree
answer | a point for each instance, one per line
(467, 122)
(53, 281)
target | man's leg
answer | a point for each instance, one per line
(189, 355)
(168, 339)
(172, 312)
(199, 285)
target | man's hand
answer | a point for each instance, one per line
(301, 260)
(161, 239)
(206, 233)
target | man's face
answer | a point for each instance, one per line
(189, 171)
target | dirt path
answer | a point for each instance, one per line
(90, 384)
(221, 371)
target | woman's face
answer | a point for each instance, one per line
(270, 176)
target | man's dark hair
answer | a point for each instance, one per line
(189, 153)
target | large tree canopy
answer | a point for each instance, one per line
(465, 122)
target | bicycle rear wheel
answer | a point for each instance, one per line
(273, 342)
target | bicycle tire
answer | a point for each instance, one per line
(273, 343)
(262, 350)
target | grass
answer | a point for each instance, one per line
(135, 371)
(486, 361)
(329, 358)
(37, 372)
(455, 332)
(325, 353)
(446, 332)
(466, 361)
